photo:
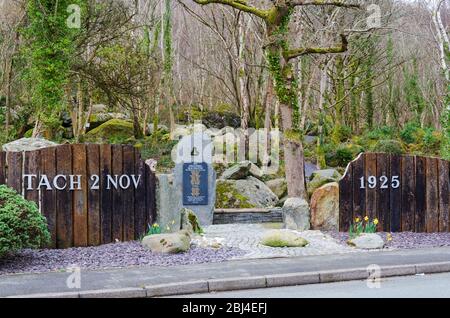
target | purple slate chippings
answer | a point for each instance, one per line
(405, 240)
(117, 255)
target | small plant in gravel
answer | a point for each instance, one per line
(362, 226)
(153, 229)
(21, 224)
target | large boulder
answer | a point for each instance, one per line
(28, 144)
(247, 193)
(168, 243)
(97, 119)
(296, 214)
(278, 186)
(242, 170)
(283, 238)
(321, 177)
(114, 130)
(325, 208)
(368, 241)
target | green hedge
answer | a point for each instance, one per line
(21, 224)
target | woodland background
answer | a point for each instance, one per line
(135, 69)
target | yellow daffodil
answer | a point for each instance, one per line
(357, 220)
(375, 221)
(155, 225)
(366, 218)
(389, 237)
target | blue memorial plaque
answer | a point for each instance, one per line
(195, 183)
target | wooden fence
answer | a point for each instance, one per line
(405, 193)
(90, 194)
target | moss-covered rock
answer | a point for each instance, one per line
(322, 177)
(283, 238)
(244, 194)
(227, 197)
(113, 131)
(388, 146)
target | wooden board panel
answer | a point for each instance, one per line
(151, 195)
(371, 193)
(395, 194)
(408, 193)
(105, 195)
(359, 193)
(14, 175)
(432, 199)
(421, 194)
(32, 168)
(140, 210)
(64, 198)
(80, 200)
(383, 175)
(2, 167)
(93, 171)
(345, 200)
(48, 197)
(128, 193)
(117, 198)
(444, 196)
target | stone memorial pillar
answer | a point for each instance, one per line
(195, 177)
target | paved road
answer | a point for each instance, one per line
(426, 286)
(144, 276)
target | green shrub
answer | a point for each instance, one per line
(431, 141)
(341, 133)
(21, 224)
(383, 132)
(341, 155)
(388, 146)
(411, 133)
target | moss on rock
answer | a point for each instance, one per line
(113, 131)
(227, 197)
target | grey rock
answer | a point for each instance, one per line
(168, 243)
(28, 144)
(242, 170)
(367, 241)
(190, 221)
(326, 173)
(238, 171)
(278, 186)
(322, 177)
(296, 214)
(255, 193)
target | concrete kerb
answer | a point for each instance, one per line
(253, 282)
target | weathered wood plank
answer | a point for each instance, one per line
(128, 193)
(64, 198)
(371, 193)
(105, 195)
(359, 193)
(432, 199)
(15, 171)
(421, 194)
(117, 197)
(93, 170)
(80, 199)
(140, 210)
(408, 193)
(444, 196)
(395, 194)
(48, 196)
(346, 199)
(32, 166)
(2, 167)
(383, 191)
(150, 181)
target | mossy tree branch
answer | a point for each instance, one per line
(336, 3)
(238, 4)
(294, 53)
